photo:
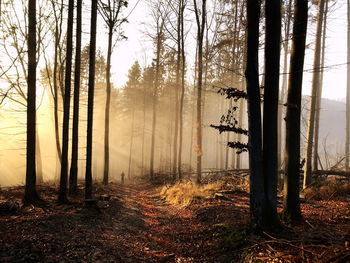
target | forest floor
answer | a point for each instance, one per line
(134, 223)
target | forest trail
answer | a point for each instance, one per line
(131, 224)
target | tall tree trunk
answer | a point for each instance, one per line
(177, 88)
(30, 194)
(91, 87)
(270, 137)
(201, 22)
(347, 121)
(291, 203)
(288, 17)
(314, 91)
(108, 102)
(62, 195)
(73, 175)
(182, 96)
(131, 143)
(155, 95)
(58, 33)
(193, 104)
(143, 131)
(257, 198)
(319, 92)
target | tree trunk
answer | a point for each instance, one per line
(201, 22)
(30, 194)
(257, 198)
(177, 84)
(91, 87)
(143, 131)
(108, 102)
(314, 91)
(347, 121)
(62, 195)
(270, 137)
(291, 204)
(73, 175)
(319, 92)
(155, 95)
(131, 143)
(182, 96)
(281, 123)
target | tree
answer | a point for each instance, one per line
(319, 93)
(110, 12)
(291, 202)
(271, 89)
(285, 45)
(73, 175)
(182, 6)
(201, 22)
(347, 121)
(159, 41)
(91, 86)
(133, 92)
(30, 194)
(62, 195)
(257, 197)
(313, 98)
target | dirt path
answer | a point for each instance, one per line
(168, 233)
(132, 224)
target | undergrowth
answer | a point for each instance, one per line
(234, 243)
(327, 189)
(183, 193)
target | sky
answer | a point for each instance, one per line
(138, 47)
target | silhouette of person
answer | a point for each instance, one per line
(122, 176)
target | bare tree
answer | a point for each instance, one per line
(62, 195)
(291, 203)
(110, 11)
(257, 197)
(271, 89)
(91, 87)
(314, 91)
(319, 92)
(201, 22)
(347, 121)
(30, 194)
(73, 175)
(159, 18)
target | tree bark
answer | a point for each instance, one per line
(281, 123)
(131, 143)
(314, 91)
(319, 92)
(291, 203)
(62, 195)
(91, 87)
(155, 95)
(257, 198)
(182, 96)
(201, 22)
(73, 175)
(270, 136)
(347, 121)
(108, 102)
(31, 194)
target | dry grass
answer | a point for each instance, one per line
(329, 188)
(183, 193)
